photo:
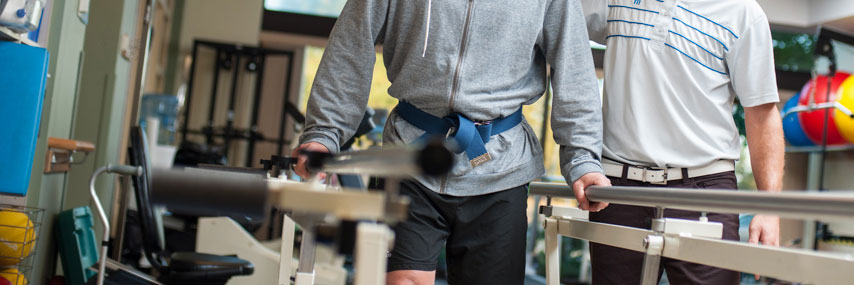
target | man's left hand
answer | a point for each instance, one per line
(589, 179)
(765, 229)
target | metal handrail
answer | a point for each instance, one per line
(432, 158)
(825, 206)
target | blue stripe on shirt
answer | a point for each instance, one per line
(710, 20)
(625, 36)
(678, 34)
(698, 30)
(633, 8)
(694, 59)
(630, 22)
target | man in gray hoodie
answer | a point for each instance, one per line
(463, 69)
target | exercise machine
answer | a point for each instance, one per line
(353, 221)
(174, 268)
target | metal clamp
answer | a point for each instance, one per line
(58, 157)
(564, 212)
(654, 245)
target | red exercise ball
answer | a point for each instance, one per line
(813, 122)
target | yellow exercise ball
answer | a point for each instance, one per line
(844, 123)
(17, 237)
(14, 277)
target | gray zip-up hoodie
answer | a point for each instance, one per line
(481, 58)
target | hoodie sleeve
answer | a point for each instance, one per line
(576, 107)
(339, 94)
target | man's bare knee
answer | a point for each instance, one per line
(410, 277)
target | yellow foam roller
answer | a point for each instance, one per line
(13, 276)
(844, 123)
(17, 236)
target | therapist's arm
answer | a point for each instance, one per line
(767, 151)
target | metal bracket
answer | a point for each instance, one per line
(654, 245)
(565, 212)
(820, 106)
(58, 157)
(693, 228)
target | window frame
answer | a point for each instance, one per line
(294, 23)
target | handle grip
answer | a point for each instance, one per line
(70, 145)
(125, 170)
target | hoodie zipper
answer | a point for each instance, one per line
(455, 88)
(463, 44)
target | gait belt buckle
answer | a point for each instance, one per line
(481, 159)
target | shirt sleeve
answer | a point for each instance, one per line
(577, 110)
(751, 65)
(339, 94)
(596, 16)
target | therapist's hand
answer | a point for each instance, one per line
(300, 168)
(764, 229)
(586, 180)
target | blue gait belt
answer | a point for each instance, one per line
(471, 138)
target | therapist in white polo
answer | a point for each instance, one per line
(672, 72)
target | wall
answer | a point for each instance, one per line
(808, 13)
(104, 84)
(787, 12)
(46, 191)
(830, 10)
(205, 20)
(161, 26)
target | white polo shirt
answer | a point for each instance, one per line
(672, 72)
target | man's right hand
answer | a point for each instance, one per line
(309, 146)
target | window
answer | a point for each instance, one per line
(793, 51)
(323, 8)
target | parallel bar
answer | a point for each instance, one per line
(825, 206)
(558, 190)
(372, 245)
(286, 255)
(793, 265)
(783, 263)
(613, 235)
(348, 204)
(402, 161)
(552, 251)
(386, 162)
(307, 252)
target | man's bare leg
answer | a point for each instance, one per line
(411, 277)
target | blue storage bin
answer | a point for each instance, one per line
(23, 72)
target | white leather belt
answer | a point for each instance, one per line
(662, 175)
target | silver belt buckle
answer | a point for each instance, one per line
(482, 123)
(660, 180)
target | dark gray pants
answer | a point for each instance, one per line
(613, 265)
